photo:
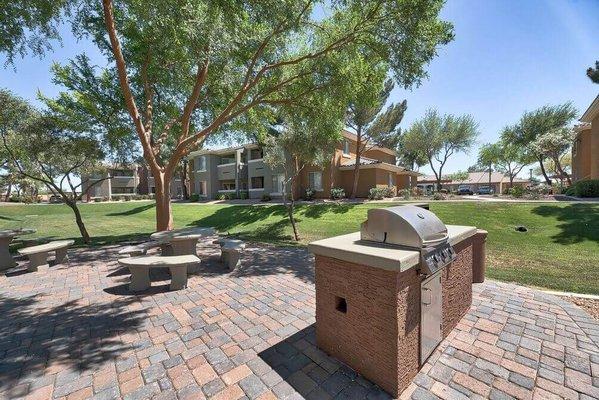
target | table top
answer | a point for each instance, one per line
(181, 234)
(16, 232)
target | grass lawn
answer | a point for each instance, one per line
(560, 250)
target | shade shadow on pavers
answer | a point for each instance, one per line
(307, 370)
(78, 336)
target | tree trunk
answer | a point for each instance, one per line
(290, 210)
(561, 171)
(547, 179)
(8, 190)
(78, 220)
(354, 189)
(164, 215)
(332, 176)
(184, 180)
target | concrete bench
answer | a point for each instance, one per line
(140, 269)
(38, 255)
(138, 249)
(231, 253)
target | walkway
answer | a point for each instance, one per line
(75, 333)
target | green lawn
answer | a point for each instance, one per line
(560, 250)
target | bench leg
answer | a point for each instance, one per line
(232, 259)
(61, 256)
(178, 277)
(35, 260)
(140, 279)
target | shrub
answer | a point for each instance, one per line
(390, 191)
(244, 195)
(337, 193)
(584, 188)
(406, 194)
(221, 196)
(438, 196)
(194, 197)
(309, 194)
(516, 191)
(265, 197)
(376, 193)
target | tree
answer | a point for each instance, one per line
(373, 126)
(191, 69)
(553, 145)
(296, 144)
(458, 176)
(29, 25)
(506, 156)
(538, 122)
(437, 138)
(40, 149)
(593, 73)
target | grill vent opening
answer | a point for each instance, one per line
(340, 304)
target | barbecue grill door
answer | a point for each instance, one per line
(430, 316)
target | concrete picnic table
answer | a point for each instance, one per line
(180, 242)
(6, 237)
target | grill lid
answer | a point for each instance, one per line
(408, 226)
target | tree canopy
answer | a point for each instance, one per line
(536, 123)
(437, 137)
(593, 73)
(187, 69)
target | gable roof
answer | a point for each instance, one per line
(352, 136)
(591, 112)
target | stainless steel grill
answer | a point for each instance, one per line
(415, 228)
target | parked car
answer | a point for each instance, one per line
(55, 199)
(485, 190)
(465, 189)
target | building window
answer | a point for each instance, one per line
(227, 185)
(256, 154)
(257, 182)
(575, 148)
(390, 182)
(346, 147)
(202, 188)
(277, 183)
(122, 173)
(228, 159)
(202, 163)
(123, 190)
(315, 180)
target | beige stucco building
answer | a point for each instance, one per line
(242, 169)
(585, 149)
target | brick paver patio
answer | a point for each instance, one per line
(76, 332)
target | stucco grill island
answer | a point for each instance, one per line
(387, 296)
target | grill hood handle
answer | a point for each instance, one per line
(432, 242)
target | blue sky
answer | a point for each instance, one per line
(507, 57)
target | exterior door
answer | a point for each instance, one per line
(430, 315)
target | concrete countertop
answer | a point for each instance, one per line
(350, 248)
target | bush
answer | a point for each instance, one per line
(244, 195)
(376, 193)
(309, 194)
(337, 193)
(221, 196)
(406, 194)
(438, 196)
(516, 191)
(265, 197)
(585, 188)
(194, 197)
(390, 191)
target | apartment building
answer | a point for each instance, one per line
(125, 180)
(585, 149)
(242, 169)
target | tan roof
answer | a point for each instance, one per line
(591, 112)
(352, 136)
(473, 178)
